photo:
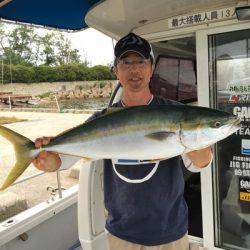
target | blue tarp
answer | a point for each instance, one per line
(62, 14)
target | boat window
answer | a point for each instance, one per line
(229, 55)
(175, 71)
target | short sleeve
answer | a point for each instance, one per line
(190, 166)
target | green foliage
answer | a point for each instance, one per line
(31, 57)
(17, 73)
(21, 41)
(65, 53)
(45, 73)
(10, 57)
(82, 72)
(67, 73)
(22, 73)
(101, 72)
(23, 45)
(71, 72)
(48, 52)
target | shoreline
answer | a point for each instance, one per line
(50, 110)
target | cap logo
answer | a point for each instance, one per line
(127, 41)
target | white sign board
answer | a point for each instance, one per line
(201, 18)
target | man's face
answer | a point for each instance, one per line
(134, 72)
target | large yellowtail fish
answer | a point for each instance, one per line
(140, 132)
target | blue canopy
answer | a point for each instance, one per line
(61, 14)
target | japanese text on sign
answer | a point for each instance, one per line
(241, 166)
(201, 18)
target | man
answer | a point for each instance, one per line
(152, 214)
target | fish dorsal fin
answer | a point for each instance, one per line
(112, 110)
(159, 136)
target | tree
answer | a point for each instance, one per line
(65, 53)
(2, 37)
(24, 45)
(48, 49)
(8, 55)
(22, 41)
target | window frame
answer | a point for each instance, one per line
(189, 100)
(205, 99)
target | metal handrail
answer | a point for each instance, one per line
(59, 183)
(26, 178)
(39, 174)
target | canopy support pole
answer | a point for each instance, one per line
(4, 2)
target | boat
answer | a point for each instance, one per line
(200, 42)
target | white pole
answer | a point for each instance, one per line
(2, 71)
(57, 104)
(10, 71)
(59, 183)
(10, 102)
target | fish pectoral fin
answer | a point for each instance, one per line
(68, 160)
(160, 136)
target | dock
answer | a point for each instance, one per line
(13, 99)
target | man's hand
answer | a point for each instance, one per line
(200, 158)
(46, 161)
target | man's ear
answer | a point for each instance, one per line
(115, 72)
(152, 69)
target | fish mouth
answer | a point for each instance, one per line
(236, 125)
(237, 122)
(234, 121)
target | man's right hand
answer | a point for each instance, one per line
(46, 161)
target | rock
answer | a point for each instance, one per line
(77, 93)
(83, 94)
(78, 87)
(71, 94)
(63, 88)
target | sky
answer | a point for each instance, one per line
(94, 45)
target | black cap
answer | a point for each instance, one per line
(132, 42)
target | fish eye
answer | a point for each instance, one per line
(217, 124)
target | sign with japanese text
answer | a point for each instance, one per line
(230, 78)
(201, 18)
(234, 97)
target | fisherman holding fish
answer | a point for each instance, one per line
(151, 213)
(145, 141)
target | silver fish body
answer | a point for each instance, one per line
(139, 132)
(146, 132)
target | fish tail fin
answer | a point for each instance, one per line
(24, 152)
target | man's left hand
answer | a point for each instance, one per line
(200, 158)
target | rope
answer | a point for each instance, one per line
(136, 181)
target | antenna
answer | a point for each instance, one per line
(10, 70)
(2, 70)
